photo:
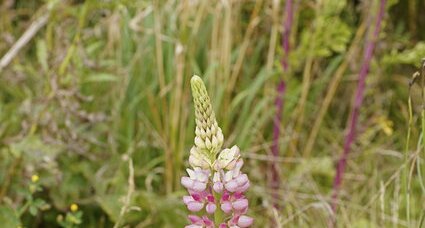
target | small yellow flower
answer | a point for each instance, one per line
(386, 125)
(34, 178)
(74, 207)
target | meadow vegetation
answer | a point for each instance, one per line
(97, 118)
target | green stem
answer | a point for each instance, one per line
(406, 187)
(24, 208)
(218, 214)
(418, 161)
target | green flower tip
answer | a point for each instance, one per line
(196, 80)
(209, 137)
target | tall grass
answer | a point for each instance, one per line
(105, 84)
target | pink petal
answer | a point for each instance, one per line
(234, 220)
(195, 206)
(240, 204)
(225, 196)
(202, 176)
(193, 226)
(207, 221)
(218, 187)
(223, 225)
(196, 196)
(231, 186)
(242, 179)
(187, 199)
(245, 221)
(194, 219)
(186, 182)
(238, 195)
(199, 186)
(243, 188)
(210, 208)
(226, 207)
(239, 164)
(210, 198)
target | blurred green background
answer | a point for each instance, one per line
(104, 84)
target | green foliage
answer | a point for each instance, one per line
(8, 217)
(105, 81)
(409, 56)
(71, 220)
(327, 35)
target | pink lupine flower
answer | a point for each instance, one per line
(240, 221)
(197, 200)
(198, 222)
(211, 207)
(216, 183)
(240, 204)
(235, 202)
(245, 221)
(230, 183)
(235, 181)
(193, 205)
(226, 206)
(197, 180)
(223, 225)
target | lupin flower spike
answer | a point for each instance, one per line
(216, 184)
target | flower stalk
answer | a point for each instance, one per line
(351, 134)
(279, 102)
(215, 183)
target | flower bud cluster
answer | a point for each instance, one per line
(209, 137)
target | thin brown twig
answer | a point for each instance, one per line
(131, 188)
(23, 40)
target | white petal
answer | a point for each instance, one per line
(199, 142)
(228, 176)
(214, 142)
(216, 177)
(191, 174)
(208, 143)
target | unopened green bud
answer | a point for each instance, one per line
(209, 137)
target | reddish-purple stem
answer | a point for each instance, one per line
(275, 179)
(286, 33)
(351, 135)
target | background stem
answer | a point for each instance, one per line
(351, 135)
(275, 179)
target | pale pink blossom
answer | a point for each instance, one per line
(226, 180)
